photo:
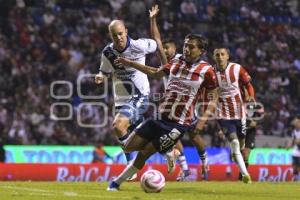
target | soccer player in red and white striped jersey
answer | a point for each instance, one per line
(230, 81)
(187, 74)
(230, 108)
(167, 52)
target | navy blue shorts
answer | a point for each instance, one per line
(134, 110)
(237, 126)
(163, 134)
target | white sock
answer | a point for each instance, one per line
(182, 162)
(203, 157)
(127, 172)
(235, 148)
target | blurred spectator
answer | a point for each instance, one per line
(189, 10)
(99, 153)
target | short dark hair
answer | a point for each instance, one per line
(169, 41)
(223, 47)
(201, 40)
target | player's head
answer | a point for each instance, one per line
(194, 46)
(118, 34)
(296, 122)
(169, 48)
(221, 56)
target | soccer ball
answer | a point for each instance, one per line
(152, 181)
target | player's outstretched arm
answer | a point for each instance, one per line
(250, 97)
(151, 71)
(155, 34)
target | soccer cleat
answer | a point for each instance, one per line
(134, 176)
(240, 176)
(171, 157)
(246, 179)
(113, 186)
(183, 175)
(205, 172)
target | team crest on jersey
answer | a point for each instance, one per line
(179, 86)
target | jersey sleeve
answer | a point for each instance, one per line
(244, 77)
(147, 45)
(210, 80)
(105, 66)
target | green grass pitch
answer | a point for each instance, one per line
(172, 190)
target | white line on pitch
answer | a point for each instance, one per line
(25, 188)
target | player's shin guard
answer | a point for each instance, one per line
(128, 172)
(235, 148)
(182, 162)
(205, 168)
(203, 157)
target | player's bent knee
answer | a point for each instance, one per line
(117, 130)
(232, 136)
(120, 126)
(134, 143)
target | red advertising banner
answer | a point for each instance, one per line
(104, 172)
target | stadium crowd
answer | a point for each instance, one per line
(48, 40)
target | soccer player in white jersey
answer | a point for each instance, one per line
(130, 86)
(296, 149)
(167, 51)
(187, 74)
(230, 108)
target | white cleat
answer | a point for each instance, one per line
(171, 157)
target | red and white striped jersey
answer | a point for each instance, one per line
(183, 88)
(231, 80)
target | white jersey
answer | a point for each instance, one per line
(296, 148)
(127, 81)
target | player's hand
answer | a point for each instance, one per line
(154, 11)
(99, 78)
(122, 62)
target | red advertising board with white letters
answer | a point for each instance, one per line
(104, 172)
